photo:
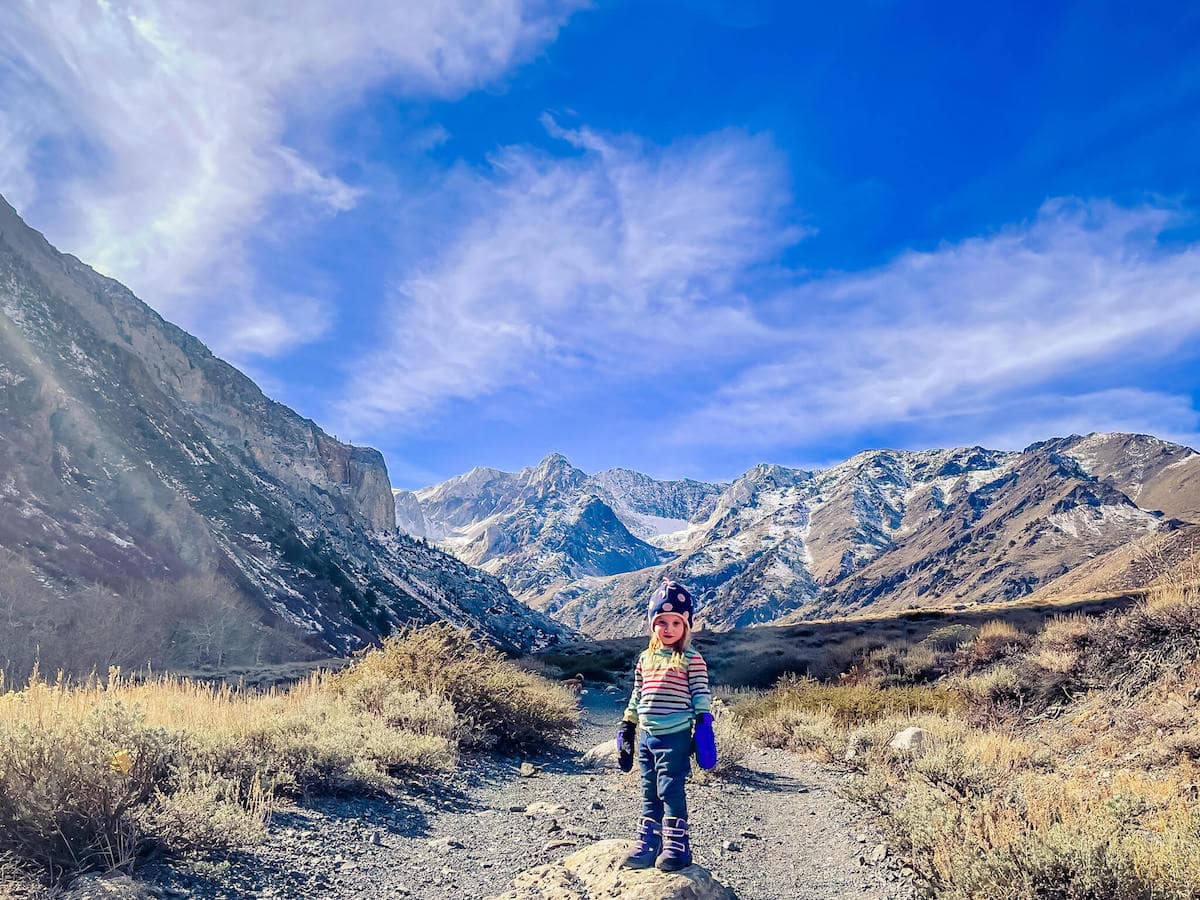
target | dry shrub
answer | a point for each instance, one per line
(497, 703)
(851, 704)
(92, 772)
(996, 639)
(1051, 835)
(69, 784)
(813, 734)
(949, 637)
(422, 713)
(1065, 632)
(205, 811)
(1131, 650)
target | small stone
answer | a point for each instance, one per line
(542, 808)
(377, 838)
(446, 843)
(596, 804)
(907, 872)
(528, 770)
(731, 846)
(912, 740)
(517, 807)
(879, 854)
(861, 838)
(750, 834)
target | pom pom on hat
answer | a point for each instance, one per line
(671, 597)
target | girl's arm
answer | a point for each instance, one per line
(698, 684)
(631, 708)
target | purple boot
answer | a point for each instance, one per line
(648, 845)
(677, 851)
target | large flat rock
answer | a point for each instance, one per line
(595, 871)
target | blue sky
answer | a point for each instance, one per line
(683, 237)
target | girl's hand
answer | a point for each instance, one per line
(626, 732)
(705, 741)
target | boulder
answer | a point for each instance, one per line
(601, 756)
(912, 740)
(595, 871)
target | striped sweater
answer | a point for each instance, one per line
(667, 698)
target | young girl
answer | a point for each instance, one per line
(670, 695)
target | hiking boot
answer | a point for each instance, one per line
(677, 851)
(648, 845)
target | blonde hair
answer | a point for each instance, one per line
(681, 646)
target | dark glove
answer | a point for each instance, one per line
(626, 732)
(705, 742)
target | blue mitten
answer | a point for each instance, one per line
(706, 742)
(626, 732)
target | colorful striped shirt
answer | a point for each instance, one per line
(667, 698)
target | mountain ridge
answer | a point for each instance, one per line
(884, 527)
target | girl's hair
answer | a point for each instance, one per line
(681, 645)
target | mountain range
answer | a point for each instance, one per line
(883, 529)
(130, 454)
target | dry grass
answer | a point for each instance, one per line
(1068, 770)
(847, 705)
(92, 773)
(497, 703)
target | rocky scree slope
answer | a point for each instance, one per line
(886, 529)
(129, 452)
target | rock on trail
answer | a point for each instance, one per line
(596, 871)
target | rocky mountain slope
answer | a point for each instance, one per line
(546, 525)
(886, 529)
(129, 452)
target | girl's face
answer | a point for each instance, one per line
(669, 628)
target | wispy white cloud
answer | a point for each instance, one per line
(613, 262)
(989, 324)
(1019, 421)
(181, 109)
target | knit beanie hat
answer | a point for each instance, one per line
(671, 597)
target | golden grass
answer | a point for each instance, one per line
(94, 772)
(848, 704)
(1070, 769)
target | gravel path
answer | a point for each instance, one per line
(793, 836)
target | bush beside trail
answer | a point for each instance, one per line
(94, 773)
(1063, 763)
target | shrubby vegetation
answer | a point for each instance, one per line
(94, 772)
(1064, 762)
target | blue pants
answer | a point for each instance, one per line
(664, 764)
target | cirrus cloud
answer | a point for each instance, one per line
(148, 135)
(989, 324)
(612, 262)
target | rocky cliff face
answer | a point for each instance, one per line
(128, 451)
(884, 528)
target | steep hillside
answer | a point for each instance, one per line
(128, 452)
